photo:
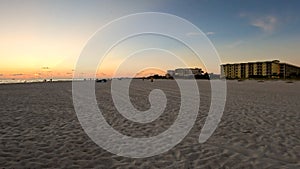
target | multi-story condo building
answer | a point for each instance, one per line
(266, 69)
(289, 71)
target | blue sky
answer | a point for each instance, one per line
(39, 33)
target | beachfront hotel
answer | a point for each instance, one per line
(184, 72)
(265, 69)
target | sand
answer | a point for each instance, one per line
(260, 127)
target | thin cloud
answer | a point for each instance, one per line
(101, 74)
(1, 74)
(193, 34)
(210, 33)
(17, 74)
(266, 23)
(235, 44)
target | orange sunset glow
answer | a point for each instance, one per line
(36, 35)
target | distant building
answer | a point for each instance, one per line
(170, 73)
(289, 71)
(266, 69)
(188, 72)
(196, 71)
(184, 73)
(214, 76)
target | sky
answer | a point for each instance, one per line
(44, 38)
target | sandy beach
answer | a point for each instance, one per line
(260, 127)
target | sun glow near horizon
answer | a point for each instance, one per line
(38, 34)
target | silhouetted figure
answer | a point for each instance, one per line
(152, 79)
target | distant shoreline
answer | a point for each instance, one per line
(23, 81)
(9, 82)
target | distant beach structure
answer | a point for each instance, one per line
(263, 69)
(189, 73)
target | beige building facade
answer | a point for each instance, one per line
(266, 69)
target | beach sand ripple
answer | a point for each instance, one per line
(259, 128)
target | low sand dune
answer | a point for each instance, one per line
(259, 128)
